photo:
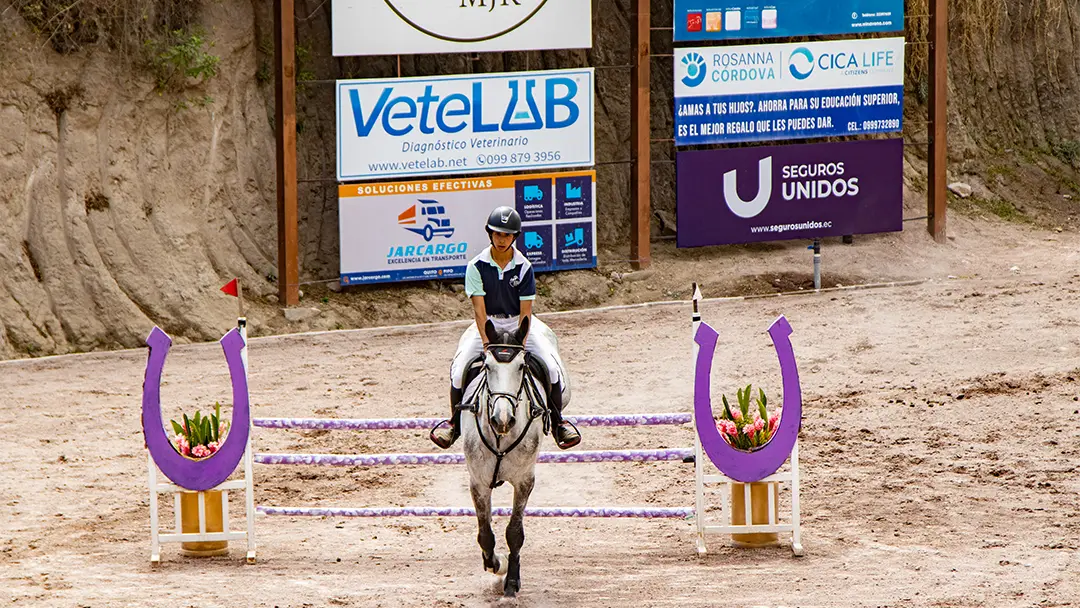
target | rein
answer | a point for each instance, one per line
(535, 411)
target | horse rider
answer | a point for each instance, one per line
(502, 288)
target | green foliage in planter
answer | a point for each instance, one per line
(199, 429)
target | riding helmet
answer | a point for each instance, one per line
(504, 219)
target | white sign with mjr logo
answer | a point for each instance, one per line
(775, 68)
(464, 124)
(403, 27)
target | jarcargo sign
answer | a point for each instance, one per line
(787, 91)
(430, 229)
(464, 124)
(402, 27)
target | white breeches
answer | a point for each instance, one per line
(541, 342)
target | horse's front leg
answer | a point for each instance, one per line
(481, 497)
(515, 535)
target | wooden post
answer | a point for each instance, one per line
(640, 154)
(285, 133)
(938, 158)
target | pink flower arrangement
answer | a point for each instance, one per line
(200, 436)
(746, 427)
(182, 445)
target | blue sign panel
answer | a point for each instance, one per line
(574, 245)
(574, 197)
(536, 243)
(736, 19)
(788, 91)
(533, 199)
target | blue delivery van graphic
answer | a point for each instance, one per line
(533, 193)
(533, 240)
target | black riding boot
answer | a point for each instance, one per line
(443, 435)
(566, 436)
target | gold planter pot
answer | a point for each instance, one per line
(189, 517)
(759, 501)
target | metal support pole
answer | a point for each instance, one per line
(699, 455)
(937, 162)
(640, 179)
(817, 263)
(285, 134)
(249, 464)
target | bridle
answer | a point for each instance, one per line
(505, 353)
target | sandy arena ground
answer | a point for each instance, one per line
(939, 458)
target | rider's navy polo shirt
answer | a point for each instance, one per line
(503, 288)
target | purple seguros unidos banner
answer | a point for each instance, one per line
(772, 193)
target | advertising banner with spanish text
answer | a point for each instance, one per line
(445, 125)
(788, 91)
(403, 27)
(735, 19)
(423, 230)
(773, 193)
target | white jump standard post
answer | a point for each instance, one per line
(178, 535)
(211, 475)
(789, 477)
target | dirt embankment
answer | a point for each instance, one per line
(125, 204)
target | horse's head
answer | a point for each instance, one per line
(504, 365)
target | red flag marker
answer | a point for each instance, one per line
(230, 288)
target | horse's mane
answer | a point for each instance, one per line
(508, 338)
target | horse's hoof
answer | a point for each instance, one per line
(511, 588)
(502, 563)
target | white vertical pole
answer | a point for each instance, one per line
(796, 538)
(155, 545)
(241, 324)
(699, 457)
(176, 508)
(772, 501)
(249, 484)
(202, 512)
(748, 507)
(225, 511)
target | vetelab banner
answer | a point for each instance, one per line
(734, 19)
(403, 27)
(421, 230)
(464, 124)
(789, 192)
(788, 91)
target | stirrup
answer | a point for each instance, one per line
(442, 441)
(565, 445)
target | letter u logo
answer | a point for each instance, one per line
(748, 209)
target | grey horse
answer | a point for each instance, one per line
(501, 442)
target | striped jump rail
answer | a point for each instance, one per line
(348, 460)
(346, 424)
(644, 512)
